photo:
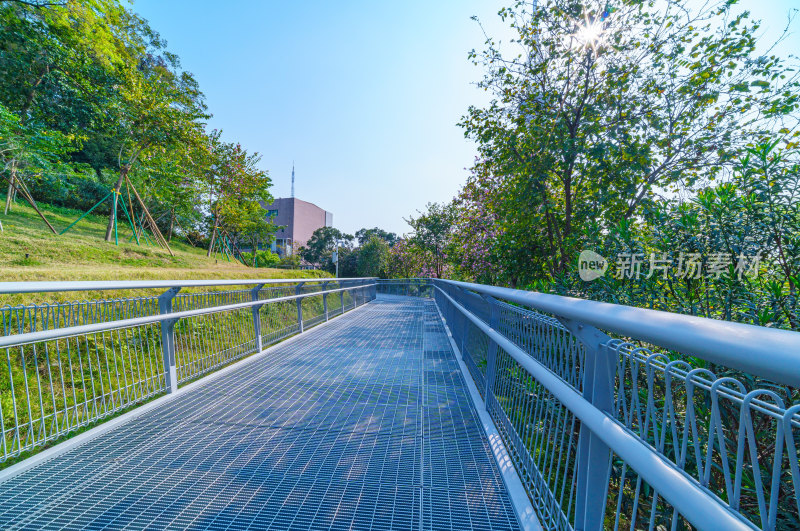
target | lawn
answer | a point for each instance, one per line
(30, 251)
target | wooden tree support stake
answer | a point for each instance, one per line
(153, 227)
(185, 233)
(133, 215)
(19, 185)
(234, 249)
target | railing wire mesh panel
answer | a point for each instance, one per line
(51, 388)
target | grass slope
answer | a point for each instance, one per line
(83, 254)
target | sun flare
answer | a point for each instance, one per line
(590, 33)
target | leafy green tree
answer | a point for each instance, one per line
(234, 187)
(174, 183)
(373, 258)
(90, 83)
(432, 232)
(53, 64)
(158, 110)
(54, 59)
(245, 221)
(364, 235)
(606, 109)
(30, 149)
(348, 262)
(323, 242)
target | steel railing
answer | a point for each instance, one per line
(408, 287)
(619, 417)
(70, 364)
(615, 417)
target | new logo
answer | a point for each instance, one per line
(591, 265)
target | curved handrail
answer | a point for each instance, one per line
(109, 285)
(766, 352)
(694, 502)
(72, 331)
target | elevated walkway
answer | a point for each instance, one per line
(365, 422)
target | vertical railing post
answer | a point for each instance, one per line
(341, 294)
(325, 299)
(168, 340)
(491, 351)
(257, 318)
(593, 455)
(464, 325)
(459, 321)
(297, 291)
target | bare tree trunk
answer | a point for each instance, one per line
(213, 237)
(123, 171)
(153, 225)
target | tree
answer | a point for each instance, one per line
(234, 186)
(364, 235)
(348, 262)
(245, 220)
(603, 110)
(323, 242)
(476, 231)
(432, 231)
(89, 84)
(158, 110)
(373, 258)
(30, 149)
(54, 63)
(174, 184)
(403, 260)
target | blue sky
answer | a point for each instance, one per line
(364, 97)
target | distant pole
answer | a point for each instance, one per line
(336, 258)
(292, 178)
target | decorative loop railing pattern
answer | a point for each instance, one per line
(618, 417)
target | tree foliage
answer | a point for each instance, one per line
(656, 134)
(432, 231)
(91, 98)
(323, 242)
(373, 258)
(604, 110)
(365, 235)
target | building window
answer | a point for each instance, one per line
(272, 213)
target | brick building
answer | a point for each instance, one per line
(299, 220)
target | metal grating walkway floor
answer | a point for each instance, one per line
(365, 423)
